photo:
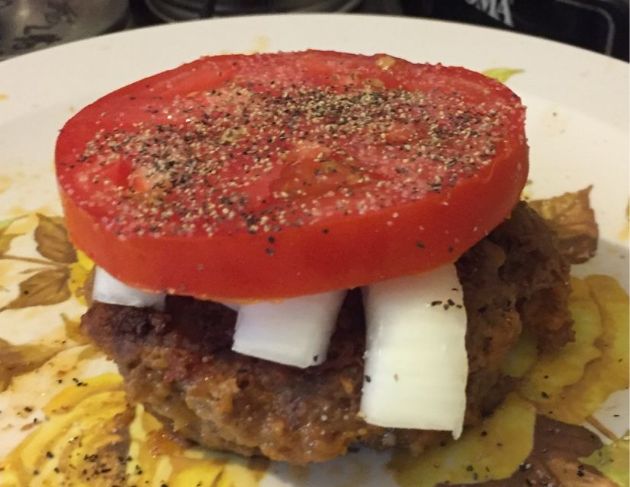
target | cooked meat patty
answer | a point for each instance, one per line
(180, 365)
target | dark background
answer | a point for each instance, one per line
(598, 25)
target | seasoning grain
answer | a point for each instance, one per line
(263, 158)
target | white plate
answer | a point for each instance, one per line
(577, 113)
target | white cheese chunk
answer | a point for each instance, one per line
(108, 289)
(416, 363)
(293, 331)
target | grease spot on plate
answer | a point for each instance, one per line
(624, 233)
(260, 44)
(5, 183)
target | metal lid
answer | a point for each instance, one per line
(175, 10)
(28, 25)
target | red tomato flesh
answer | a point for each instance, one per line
(275, 175)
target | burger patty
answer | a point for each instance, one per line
(180, 365)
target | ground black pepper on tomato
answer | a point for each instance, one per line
(345, 161)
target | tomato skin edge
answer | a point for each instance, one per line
(422, 235)
(180, 265)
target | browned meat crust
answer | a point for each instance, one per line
(179, 363)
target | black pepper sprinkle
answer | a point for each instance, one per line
(270, 251)
(49, 454)
(315, 358)
(259, 130)
(544, 395)
(368, 378)
(420, 245)
(435, 187)
(436, 303)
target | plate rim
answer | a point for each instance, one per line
(495, 31)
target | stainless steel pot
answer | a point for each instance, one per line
(174, 10)
(27, 25)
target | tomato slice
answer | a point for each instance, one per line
(273, 175)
